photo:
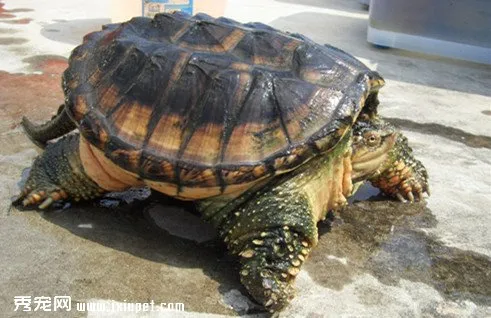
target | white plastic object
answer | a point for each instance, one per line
(126, 9)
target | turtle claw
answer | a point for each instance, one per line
(268, 303)
(42, 199)
(402, 176)
(411, 192)
(46, 203)
(409, 189)
(400, 197)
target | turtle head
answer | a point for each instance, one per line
(381, 155)
(371, 145)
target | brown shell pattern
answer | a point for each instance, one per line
(203, 102)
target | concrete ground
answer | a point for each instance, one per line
(381, 259)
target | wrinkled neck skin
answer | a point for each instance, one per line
(374, 164)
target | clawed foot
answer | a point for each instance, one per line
(41, 197)
(411, 190)
(406, 181)
(39, 190)
(272, 292)
(58, 174)
(270, 264)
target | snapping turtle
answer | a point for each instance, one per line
(267, 131)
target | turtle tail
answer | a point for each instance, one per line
(59, 125)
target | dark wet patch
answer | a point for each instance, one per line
(36, 96)
(72, 31)
(17, 21)
(7, 31)
(4, 11)
(486, 112)
(412, 255)
(20, 50)
(24, 94)
(387, 239)
(406, 63)
(454, 134)
(13, 41)
(6, 15)
(54, 64)
(20, 10)
(461, 274)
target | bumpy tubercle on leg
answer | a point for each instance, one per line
(58, 174)
(274, 229)
(272, 234)
(270, 264)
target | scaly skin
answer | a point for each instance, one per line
(272, 233)
(404, 176)
(381, 155)
(272, 227)
(58, 174)
(58, 126)
(272, 243)
(273, 230)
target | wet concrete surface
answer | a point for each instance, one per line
(7, 31)
(7, 14)
(378, 258)
(119, 253)
(17, 21)
(10, 41)
(378, 238)
(71, 31)
(451, 133)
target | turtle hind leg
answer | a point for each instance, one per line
(58, 174)
(58, 126)
(272, 233)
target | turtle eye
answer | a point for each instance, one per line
(373, 140)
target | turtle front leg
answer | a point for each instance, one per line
(404, 176)
(58, 174)
(272, 233)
